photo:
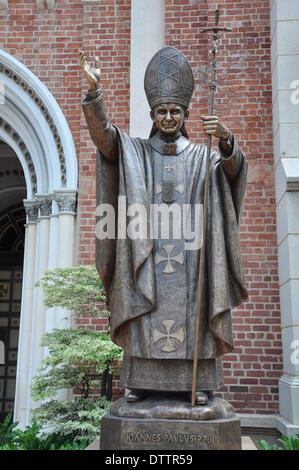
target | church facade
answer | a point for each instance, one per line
(48, 168)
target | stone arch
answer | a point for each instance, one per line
(33, 125)
(32, 118)
(13, 139)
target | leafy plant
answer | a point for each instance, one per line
(31, 438)
(77, 358)
(80, 359)
(7, 430)
(78, 288)
(288, 443)
(79, 420)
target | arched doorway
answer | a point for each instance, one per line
(12, 234)
(33, 126)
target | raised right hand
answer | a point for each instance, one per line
(92, 73)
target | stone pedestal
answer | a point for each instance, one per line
(170, 424)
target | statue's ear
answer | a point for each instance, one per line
(152, 115)
(186, 117)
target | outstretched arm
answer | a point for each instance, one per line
(102, 132)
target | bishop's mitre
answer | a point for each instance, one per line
(169, 78)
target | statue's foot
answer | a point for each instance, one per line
(201, 398)
(133, 396)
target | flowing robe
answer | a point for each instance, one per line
(152, 285)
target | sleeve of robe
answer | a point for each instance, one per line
(104, 136)
(226, 281)
(125, 263)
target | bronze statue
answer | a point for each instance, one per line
(151, 284)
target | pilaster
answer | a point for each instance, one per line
(25, 335)
(285, 93)
(147, 21)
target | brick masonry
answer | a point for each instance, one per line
(47, 42)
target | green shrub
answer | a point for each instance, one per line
(77, 358)
(80, 359)
(288, 443)
(76, 420)
(31, 438)
(78, 288)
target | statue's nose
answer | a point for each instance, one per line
(168, 117)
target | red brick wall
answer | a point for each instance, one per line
(48, 43)
(105, 33)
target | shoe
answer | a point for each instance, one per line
(133, 396)
(201, 398)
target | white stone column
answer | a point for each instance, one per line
(61, 247)
(53, 263)
(3, 4)
(66, 201)
(25, 334)
(285, 87)
(39, 310)
(147, 37)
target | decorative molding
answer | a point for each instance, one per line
(13, 172)
(257, 420)
(9, 130)
(293, 381)
(293, 185)
(32, 109)
(285, 427)
(44, 202)
(37, 100)
(66, 201)
(3, 4)
(45, 4)
(31, 209)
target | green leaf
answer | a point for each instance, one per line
(288, 443)
(77, 357)
(78, 288)
(80, 419)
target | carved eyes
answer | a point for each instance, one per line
(174, 112)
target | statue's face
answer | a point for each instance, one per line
(169, 117)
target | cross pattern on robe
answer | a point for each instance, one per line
(179, 188)
(168, 168)
(178, 335)
(169, 269)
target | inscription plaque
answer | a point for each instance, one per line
(201, 440)
(120, 433)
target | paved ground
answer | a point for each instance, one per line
(248, 444)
